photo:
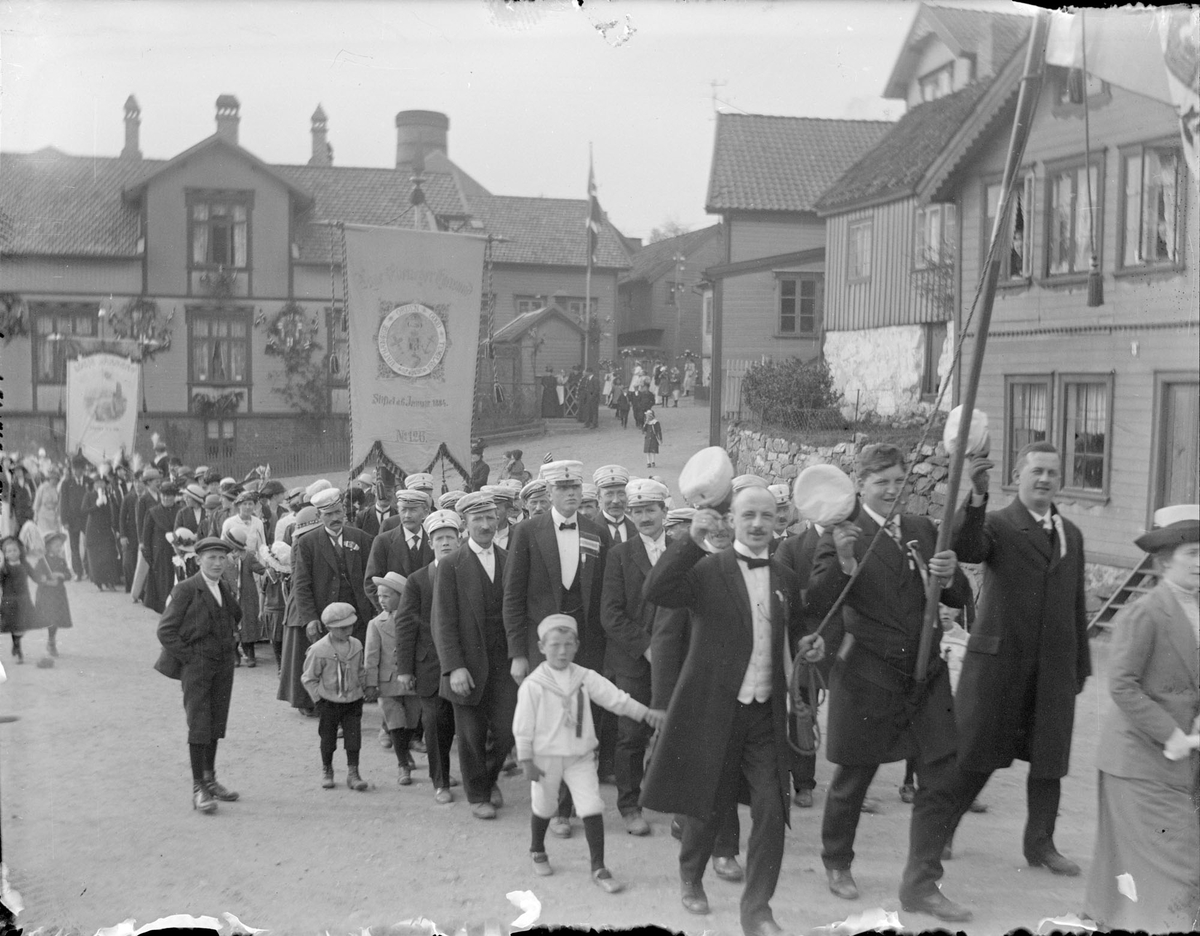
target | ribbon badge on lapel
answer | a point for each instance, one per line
(349, 545)
(588, 546)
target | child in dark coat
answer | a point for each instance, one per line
(16, 607)
(52, 609)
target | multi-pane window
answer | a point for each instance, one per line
(220, 347)
(220, 438)
(937, 83)
(339, 346)
(1017, 262)
(1070, 224)
(52, 326)
(1028, 416)
(859, 260)
(1153, 207)
(574, 305)
(799, 304)
(936, 236)
(220, 229)
(1086, 435)
(529, 303)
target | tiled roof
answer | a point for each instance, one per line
(896, 164)
(653, 260)
(526, 320)
(763, 163)
(52, 203)
(547, 231)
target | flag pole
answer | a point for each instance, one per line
(587, 280)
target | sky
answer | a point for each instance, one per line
(528, 87)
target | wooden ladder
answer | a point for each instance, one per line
(1140, 581)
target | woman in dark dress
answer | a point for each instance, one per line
(551, 408)
(157, 549)
(103, 560)
(295, 640)
(16, 607)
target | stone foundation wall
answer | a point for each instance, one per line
(881, 369)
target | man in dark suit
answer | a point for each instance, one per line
(472, 649)
(611, 481)
(628, 621)
(198, 633)
(556, 566)
(127, 528)
(417, 661)
(402, 546)
(727, 721)
(71, 493)
(372, 518)
(590, 391)
(328, 566)
(1027, 657)
(877, 711)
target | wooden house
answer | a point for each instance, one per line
(213, 259)
(1116, 386)
(767, 176)
(892, 283)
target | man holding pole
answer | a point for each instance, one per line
(879, 712)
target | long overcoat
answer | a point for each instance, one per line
(315, 576)
(874, 716)
(1031, 628)
(686, 764)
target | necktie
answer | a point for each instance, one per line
(415, 543)
(617, 530)
(752, 562)
(566, 526)
(893, 528)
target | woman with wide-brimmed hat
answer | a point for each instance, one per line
(1145, 872)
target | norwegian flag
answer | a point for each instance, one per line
(594, 217)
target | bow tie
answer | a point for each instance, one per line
(567, 526)
(753, 562)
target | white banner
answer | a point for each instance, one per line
(413, 335)
(102, 395)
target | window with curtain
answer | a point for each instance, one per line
(220, 231)
(338, 342)
(51, 326)
(219, 348)
(1153, 207)
(935, 236)
(937, 83)
(1086, 433)
(1067, 236)
(1027, 416)
(1017, 262)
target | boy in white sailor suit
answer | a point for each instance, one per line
(556, 740)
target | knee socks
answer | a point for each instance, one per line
(198, 753)
(538, 827)
(50, 634)
(593, 830)
(401, 737)
(210, 763)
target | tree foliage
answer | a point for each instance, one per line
(668, 229)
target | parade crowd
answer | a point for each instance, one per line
(587, 632)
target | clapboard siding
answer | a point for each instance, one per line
(752, 237)
(749, 312)
(890, 296)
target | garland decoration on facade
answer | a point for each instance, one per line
(14, 316)
(292, 337)
(221, 404)
(220, 282)
(140, 320)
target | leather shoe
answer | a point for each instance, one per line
(443, 796)
(606, 882)
(635, 824)
(496, 798)
(871, 806)
(908, 793)
(727, 869)
(676, 829)
(416, 744)
(560, 827)
(947, 852)
(483, 811)
(803, 799)
(694, 898)
(1056, 863)
(977, 807)
(767, 927)
(939, 905)
(841, 883)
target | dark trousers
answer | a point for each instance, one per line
(1042, 795)
(927, 827)
(207, 689)
(73, 534)
(335, 715)
(751, 753)
(632, 739)
(727, 842)
(129, 554)
(480, 765)
(438, 715)
(804, 766)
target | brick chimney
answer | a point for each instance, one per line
(419, 133)
(133, 123)
(227, 117)
(322, 152)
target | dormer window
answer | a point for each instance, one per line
(938, 83)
